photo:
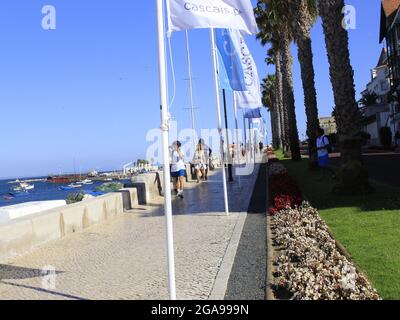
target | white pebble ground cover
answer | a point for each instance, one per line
(310, 267)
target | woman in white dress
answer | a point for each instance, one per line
(200, 161)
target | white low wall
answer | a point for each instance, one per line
(24, 234)
(148, 185)
(25, 209)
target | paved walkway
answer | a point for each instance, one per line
(248, 277)
(125, 258)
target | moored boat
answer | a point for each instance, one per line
(23, 187)
(58, 179)
(71, 186)
(86, 182)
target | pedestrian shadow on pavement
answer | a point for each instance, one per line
(9, 273)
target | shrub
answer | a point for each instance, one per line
(110, 187)
(75, 197)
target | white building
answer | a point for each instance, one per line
(380, 79)
(382, 113)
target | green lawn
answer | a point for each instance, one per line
(368, 226)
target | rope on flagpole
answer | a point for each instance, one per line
(172, 72)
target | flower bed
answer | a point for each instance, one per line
(310, 266)
(284, 191)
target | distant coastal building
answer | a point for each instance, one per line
(328, 124)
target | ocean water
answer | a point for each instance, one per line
(43, 191)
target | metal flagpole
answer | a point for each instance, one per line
(216, 87)
(190, 89)
(254, 141)
(238, 149)
(228, 147)
(251, 140)
(165, 142)
(245, 138)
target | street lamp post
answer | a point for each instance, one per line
(230, 174)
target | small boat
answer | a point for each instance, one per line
(85, 182)
(65, 188)
(72, 186)
(23, 187)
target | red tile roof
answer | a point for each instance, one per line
(390, 6)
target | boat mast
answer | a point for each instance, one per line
(190, 89)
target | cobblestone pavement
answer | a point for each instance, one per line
(125, 258)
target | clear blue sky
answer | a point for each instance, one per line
(89, 89)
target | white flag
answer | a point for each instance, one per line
(251, 98)
(224, 14)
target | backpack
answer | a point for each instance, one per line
(328, 145)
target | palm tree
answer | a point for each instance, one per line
(305, 14)
(369, 99)
(275, 29)
(269, 36)
(269, 101)
(274, 57)
(353, 177)
(288, 96)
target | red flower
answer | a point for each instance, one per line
(284, 192)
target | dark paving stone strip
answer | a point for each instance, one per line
(248, 277)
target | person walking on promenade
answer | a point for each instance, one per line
(207, 155)
(261, 145)
(178, 168)
(323, 147)
(200, 160)
(233, 152)
(243, 150)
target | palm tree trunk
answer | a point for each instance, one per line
(277, 124)
(287, 72)
(281, 105)
(278, 98)
(273, 126)
(305, 56)
(353, 177)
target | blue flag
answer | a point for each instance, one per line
(253, 113)
(231, 74)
